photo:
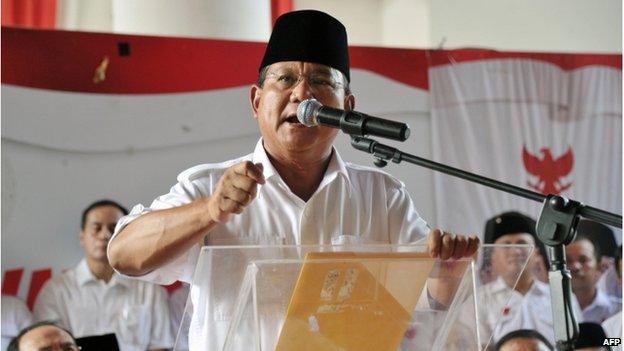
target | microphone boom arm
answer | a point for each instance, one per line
(556, 227)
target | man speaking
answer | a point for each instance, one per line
(294, 188)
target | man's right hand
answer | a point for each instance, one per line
(236, 189)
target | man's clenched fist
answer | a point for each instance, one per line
(236, 189)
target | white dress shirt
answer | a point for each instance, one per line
(613, 326)
(15, 317)
(137, 312)
(350, 200)
(603, 307)
(177, 305)
(502, 310)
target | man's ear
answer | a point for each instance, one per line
(349, 102)
(81, 237)
(254, 98)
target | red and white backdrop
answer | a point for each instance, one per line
(87, 116)
(548, 123)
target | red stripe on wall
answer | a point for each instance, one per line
(36, 283)
(69, 61)
(11, 281)
(131, 64)
(63, 60)
(408, 66)
(564, 61)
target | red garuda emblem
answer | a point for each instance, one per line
(548, 170)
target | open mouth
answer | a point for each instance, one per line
(292, 119)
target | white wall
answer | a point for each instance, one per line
(529, 25)
(233, 19)
(406, 23)
(361, 18)
(92, 15)
(522, 25)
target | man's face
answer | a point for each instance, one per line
(99, 226)
(582, 263)
(524, 344)
(275, 106)
(507, 261)
(48, 338)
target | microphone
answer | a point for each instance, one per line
(312, 113)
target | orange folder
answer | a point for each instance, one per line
(354, 301)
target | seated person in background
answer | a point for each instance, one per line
(529, 305)
(591, 338)
(91, 299)
(15, 317)
(583, 258)
(523, 340)
(44, 335)
(605, 237)
(613, 325)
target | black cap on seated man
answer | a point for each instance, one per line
(516, 298)
(511, 223)
(591, 338)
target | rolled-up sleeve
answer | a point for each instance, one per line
(181, 268)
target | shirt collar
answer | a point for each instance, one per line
(84, 276)
(499, 285)
(601, 299)
(336, 166)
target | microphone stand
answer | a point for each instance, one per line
(556, 227)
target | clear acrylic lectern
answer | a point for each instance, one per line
(350, 297)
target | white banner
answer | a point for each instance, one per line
(529, 123)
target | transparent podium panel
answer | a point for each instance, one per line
(366, 297)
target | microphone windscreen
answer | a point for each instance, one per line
(306, 112)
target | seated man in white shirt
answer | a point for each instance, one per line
(583, 257)
(294, 188)
(529, 305)
(605, 237)
(613, 325)
(91, 299)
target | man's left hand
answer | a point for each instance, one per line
(445, 245)
(443, 283)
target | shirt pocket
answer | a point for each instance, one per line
(134, 326)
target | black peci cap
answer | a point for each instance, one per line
(508, 223)
(590, 335)
(308, 36)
